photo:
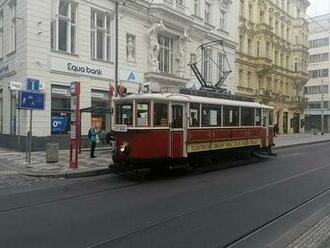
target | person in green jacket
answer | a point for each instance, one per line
(92, 137)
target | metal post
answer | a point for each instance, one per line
(116, 59)
(322, 108)
(30, 140)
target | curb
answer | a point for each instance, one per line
(300, 144)
(290, 236)
(80, 174)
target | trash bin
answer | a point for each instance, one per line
(52, 152)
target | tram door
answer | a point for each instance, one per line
(177, 130)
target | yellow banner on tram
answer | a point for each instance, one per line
(208, 146)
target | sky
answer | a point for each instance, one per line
(318, 7)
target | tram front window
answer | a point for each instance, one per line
(124, 114)
(142, 114)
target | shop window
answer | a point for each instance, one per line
(60, 110)
(211, 116)
(101, 120)
(247, 116)
(160, 115)
(258, 117)
(194, 115)
(231, 116)
(142, 114)
(124, 114)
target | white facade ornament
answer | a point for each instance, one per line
(130, 47)
(181, 57)
(225, 4)
(153, 32)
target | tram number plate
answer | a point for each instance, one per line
(121, 128)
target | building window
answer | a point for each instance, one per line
(165, 54)
(64, 27)
(318, 89)
(196, 7)
(262, 16)
(206, 65)
(221, 62)
(258, 48)
(319, 73)
(60, 109)
(319, 43)
(1, 33)
(12, 34)
(100, 35)
(207, 13)
(249, 47)
(180, 3)
(267, 52)
(222, 20)
(316, 58)
(250, 12)
(241, 43)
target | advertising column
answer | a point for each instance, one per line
(75, 124)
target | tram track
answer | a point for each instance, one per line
(242, 237)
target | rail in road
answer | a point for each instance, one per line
(218, 209)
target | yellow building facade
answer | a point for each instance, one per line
(271, 61)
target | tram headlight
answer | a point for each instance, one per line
(124, 148)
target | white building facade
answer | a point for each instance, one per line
(317, 88)
(60, 41)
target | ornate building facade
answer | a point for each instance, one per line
(60, 41)
(271, 63)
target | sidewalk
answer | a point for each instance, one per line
(287, 140)
(13, 163)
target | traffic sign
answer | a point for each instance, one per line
(33, 84)
(32, 100)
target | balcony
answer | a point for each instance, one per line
(177, 5)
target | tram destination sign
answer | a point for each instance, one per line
(32, 100)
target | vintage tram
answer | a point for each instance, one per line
(153, 128)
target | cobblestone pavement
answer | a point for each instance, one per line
(316, 237)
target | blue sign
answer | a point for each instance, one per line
(33, 84)
(32, 100)
(59, 123)
(131, 77)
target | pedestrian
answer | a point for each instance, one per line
(276, 129)
(93, 139)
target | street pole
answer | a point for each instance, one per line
(30, 135)
(322, 108)
(116, 55)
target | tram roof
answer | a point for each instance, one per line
(176, 97)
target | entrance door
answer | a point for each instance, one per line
(285, 122)
(296, 123)
(177, 131)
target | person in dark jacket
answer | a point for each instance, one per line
(93, 139)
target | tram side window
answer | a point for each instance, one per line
(231, 116)
(258, 117)
(194, 115)
(124, 114)
(160, 115)
(211, 115)
(271, 117)
(142, 114)
(247, 116)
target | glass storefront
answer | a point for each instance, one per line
(60, 110)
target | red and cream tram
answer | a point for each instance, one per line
(169, 126)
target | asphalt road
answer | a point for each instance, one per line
(206, 210)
